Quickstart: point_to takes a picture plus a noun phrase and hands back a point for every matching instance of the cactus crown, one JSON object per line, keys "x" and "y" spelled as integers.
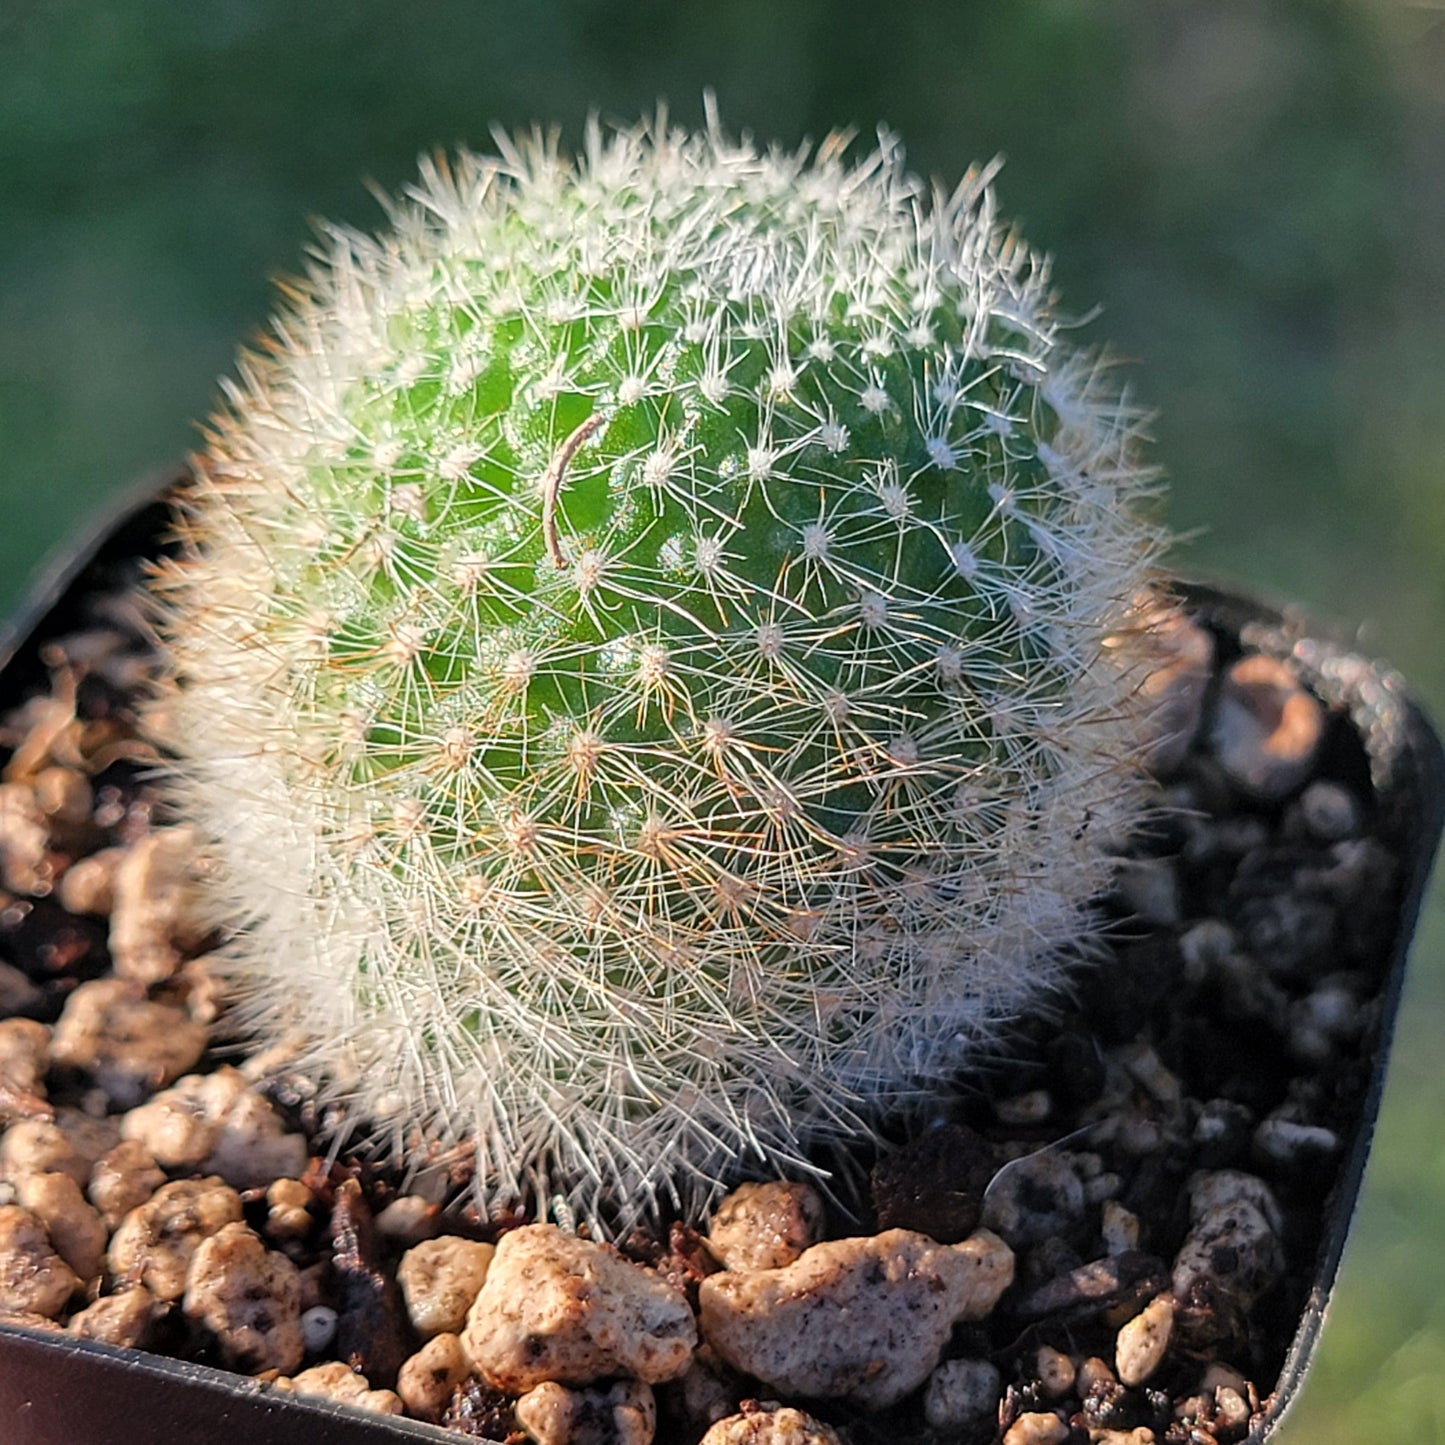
{"x": 642, "y": 655}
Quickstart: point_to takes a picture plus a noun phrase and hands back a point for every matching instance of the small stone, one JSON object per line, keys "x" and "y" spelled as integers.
{"x": 863, "y": 1319}
{"x": 1266, "y": 729}
{"x": 1291, "y": 1145}
{"x": 33, "y": 1277}
{"x": 1231, "y": 1409}
{"x": 556, "y": 1307}
{"x": 1094, "y": 1375}
{"x": 1221, "y": 1133}
{"x": 619, "y": 1414}
{"x": 24, "y": 1057}
{"x": 1093, "y": 1288}
{"x": 409, "y": 1219}
{"x": 1055, "y": 1371}
{"x": 765, "y": 1226}
{"x": 1141, "y": 1344}
{"x": 318, "y": 1324}
{"x": 123, "y": 1320}
{"x": 962, "y": 1394}
{"x": 1034, "y": 1427}
{"x": 1329, "y": 811}
{"x": 88, "y": 885}
{"x": 770, "y": 1424}
{"x": 340, "y": 1383}
{"x": 129, "y": 1044}
{"x": 1035, "y": 1106}
{"x": 289, "y": 1215}
{"x": 24, "y": 842}
{"x": 1120, "y": 1228}
{"x": 1102, "y": 1188}
{"x": 1229, "y": 1259}
{"x": 440, "y": 1279}
{"x": 40, "y": 1146}
{"x": 1034, "y": 1197}
{"x": 151, "y": 917}
{"x": 75, "y": 1229}
{"x": 121, "y": 1180}
{"x": 428, "y": 1379}
{"x": 1212, "y": 1189}
{"x": 249, "y": 1297}
{"x": 156, "y": 1241}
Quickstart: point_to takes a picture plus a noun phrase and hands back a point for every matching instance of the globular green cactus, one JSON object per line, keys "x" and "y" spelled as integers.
{"x": 646, "y": 656}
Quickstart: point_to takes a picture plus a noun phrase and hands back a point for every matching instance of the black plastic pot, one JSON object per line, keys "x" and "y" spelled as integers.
{"x": 59, "y": 1391}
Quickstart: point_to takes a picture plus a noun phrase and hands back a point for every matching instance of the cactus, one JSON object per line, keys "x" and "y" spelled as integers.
{"x": 644, "y": 657}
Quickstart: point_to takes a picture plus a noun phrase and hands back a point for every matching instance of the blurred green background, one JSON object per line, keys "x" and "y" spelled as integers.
{"x": 1254, "y": 193}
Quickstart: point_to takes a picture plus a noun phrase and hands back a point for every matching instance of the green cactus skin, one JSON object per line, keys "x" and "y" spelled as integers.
{"x": 643, "y": 657}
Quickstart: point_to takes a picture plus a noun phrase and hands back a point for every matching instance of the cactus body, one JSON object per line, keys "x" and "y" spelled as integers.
{"x": 642, "y": 656}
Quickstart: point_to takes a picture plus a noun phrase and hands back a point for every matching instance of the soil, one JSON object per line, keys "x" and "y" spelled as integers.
{"x": 1226, "y": 1035}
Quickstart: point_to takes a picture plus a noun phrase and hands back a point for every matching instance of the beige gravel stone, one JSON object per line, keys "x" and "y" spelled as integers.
{"x": 33, "y": 1277}
{"x": 409, "y": 1219}
{"x": 1036, "y": 1427}
{"x": 130, "y": 1045}
{"x": 555, "y": 1307}
{"x": 288, "y": 1203}
{"x": 439, "y": 1279}
{"x": 620, "y": 1414}
{"x": 88, "y": 885}
{"x": 24, "y": 841}
{"x": 765, "y": 1226}
{"x": 771, "y": 1424}
{"x": 64, "y": 797}
{"x": 428, "y": 1378}
{"x": 122, "y": 1179}
{"x": 1141, "y": 1343}
{"x": 40, "y": 1146}
{"x": 118, "y": 1319}
{"x": 863, "y": 1319}
{"x": 156, "y": 1241}
{"x": 218, "y": 1124}
{"x": 24, "y": 1057}
{"x": 152, "y": 918}
{"x": 338, "y": 1382}
{"x": 76, "y": 1230}
{"x": 249, "y": 1297}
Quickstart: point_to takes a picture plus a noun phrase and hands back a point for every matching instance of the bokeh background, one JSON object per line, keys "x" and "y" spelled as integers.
{"x": 1253, "y": 193}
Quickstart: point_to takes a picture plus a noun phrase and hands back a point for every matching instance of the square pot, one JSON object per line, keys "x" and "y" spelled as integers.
{"x": 54, "y": 1388}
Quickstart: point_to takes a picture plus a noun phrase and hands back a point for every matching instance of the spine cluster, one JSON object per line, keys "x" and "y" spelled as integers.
{"x": 644, "y": 656}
